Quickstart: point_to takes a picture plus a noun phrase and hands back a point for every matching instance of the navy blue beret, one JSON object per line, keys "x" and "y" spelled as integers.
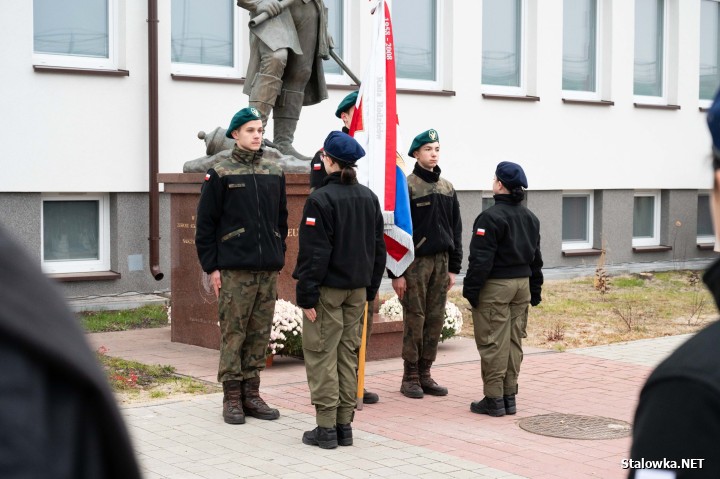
{"x": 346, "y": 103}
{"x": 343, "y": 147}
{"x": 429, "y": 136}
{"x": 511, "y": 175}
{"x": 243, "y": 116}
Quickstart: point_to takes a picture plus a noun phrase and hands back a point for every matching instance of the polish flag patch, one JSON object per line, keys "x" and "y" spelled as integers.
{"x": 207, "y": 176}
{"x": 316, "y": 166}
{"x": 480, "y": 232}
{"x": 310, "y": 221}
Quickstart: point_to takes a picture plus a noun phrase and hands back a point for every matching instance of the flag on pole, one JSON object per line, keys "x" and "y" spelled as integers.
{"x": 375, "y": 126}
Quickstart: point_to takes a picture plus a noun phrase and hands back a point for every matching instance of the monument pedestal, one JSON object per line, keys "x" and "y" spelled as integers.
{"x": 193, "y": 302}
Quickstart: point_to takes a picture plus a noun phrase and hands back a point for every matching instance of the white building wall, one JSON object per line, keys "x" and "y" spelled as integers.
{"x": 73, "y": 133}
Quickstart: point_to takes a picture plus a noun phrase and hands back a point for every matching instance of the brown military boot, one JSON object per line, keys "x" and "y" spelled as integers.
{"x": 410, "y": 386}
{"x": 253, "y": 404}
{"x": 427, "y": 383}
{"x": 232, "y": 407}
{"x": 285, "y": 118}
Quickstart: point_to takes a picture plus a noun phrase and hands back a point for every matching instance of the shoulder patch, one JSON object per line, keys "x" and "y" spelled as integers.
{"x": 480, "y": 232}
{"x": 310, "y": 221}
{"x": 207, "y": 176}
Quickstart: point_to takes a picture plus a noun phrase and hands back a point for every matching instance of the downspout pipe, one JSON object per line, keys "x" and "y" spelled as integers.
{"x": 154, "y": 193}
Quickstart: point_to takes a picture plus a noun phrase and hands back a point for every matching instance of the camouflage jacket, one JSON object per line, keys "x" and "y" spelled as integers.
{"x": 435, "y": 210}
{"x": 242, "y": 215}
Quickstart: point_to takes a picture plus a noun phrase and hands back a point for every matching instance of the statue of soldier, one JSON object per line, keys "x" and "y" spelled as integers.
{"x": 285, "y": 69}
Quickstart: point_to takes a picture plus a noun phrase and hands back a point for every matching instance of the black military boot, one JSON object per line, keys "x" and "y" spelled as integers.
{"x": 344, "y": 434}
{"x": 510, "y": 407}
{"x": 232, "y": 407}
{"x": 491, "y": 406}
{"x": 252, "y": 403}
{"x": 369, "y": 398}
{"x": 410, "y": 386}
{"x": 428, "y": 384}
{"x": 324, "y": 437}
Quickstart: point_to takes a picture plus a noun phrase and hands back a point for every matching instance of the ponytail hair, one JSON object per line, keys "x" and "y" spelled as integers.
{"x": 517, "y": 194}
{"x": 348, "y": 175}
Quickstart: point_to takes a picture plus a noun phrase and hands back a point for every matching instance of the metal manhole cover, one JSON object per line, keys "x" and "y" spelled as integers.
{"x": 571, "y": 426}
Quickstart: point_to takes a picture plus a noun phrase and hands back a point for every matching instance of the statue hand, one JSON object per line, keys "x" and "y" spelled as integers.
{"x": 271, "y": 7}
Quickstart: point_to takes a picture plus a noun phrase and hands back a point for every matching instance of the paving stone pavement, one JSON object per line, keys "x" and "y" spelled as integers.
{"x": 434, "y": 437}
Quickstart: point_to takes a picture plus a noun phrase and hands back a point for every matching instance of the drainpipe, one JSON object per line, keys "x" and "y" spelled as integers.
{"x": 154, "y": 194}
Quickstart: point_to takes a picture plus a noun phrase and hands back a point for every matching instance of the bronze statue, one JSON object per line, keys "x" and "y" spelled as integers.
{"x": 285, "y": 69}
{"x": 218, "y": 147}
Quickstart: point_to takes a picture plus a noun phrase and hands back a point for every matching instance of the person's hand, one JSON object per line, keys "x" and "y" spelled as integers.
{"x": 216, "y": 282}
{"x": 311, "y": 314}
{"x": 451, "y": 280}
{"x": 271, "y": 7}
{"x": 535, "y": 299}
{"x": 399, "y": 285}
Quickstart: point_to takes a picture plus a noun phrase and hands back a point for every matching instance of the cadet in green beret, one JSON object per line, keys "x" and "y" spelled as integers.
{"x": 423, "y": 287}
{"x": 240, "y": 236}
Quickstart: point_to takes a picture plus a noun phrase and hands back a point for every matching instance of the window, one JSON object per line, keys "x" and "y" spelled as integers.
{"x": 204, "y": 37}
{"x": 646, "y": 219}
{"x": 709, "y": 49}
{"x": 577, "y": 220}
{"x": 705, "y": 230}
{"x": 337, "y": 28}
{"x": 502, "y": 51}
{"x": 649, "y": 75}
{"x": 580, "y": 55}
{"x": 75, "y": 233}
{"x": 75, "y": 33}
{"x": 415, "y": 28}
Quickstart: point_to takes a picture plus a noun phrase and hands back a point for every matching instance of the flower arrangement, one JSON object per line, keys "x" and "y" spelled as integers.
{"x": 286, "y": 332}
{"x": 453, "y": 316}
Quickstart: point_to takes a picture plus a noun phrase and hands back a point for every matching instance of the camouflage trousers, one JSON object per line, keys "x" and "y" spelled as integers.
{"x": 500, "y": 323}
{"x": 330, "y": 346}
{"x": 424, "y": 306}
{"x": 245, "y": 306}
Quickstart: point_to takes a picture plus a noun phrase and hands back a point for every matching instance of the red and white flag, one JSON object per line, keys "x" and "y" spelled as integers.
{"x": 375, "y": 125}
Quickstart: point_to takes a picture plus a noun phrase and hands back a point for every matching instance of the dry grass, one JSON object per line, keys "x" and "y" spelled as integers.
{"x": 574, "y": 314}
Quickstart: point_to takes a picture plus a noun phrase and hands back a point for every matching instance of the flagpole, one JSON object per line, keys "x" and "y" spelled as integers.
{"x": 361, "y": 363}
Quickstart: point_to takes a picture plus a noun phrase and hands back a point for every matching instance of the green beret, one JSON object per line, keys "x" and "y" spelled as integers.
{"x": 346, "y": 103}
{"x": 243, "y": 116}
{"x": 430, "y": 136}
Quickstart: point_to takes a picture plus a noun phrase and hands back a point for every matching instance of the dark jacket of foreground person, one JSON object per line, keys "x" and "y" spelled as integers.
{"x": 58, "y": 417}
{"x": 678, "y": 415}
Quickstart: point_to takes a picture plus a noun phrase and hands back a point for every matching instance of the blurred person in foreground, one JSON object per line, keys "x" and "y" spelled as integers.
{"x": 58, "y": 417}
{"x": 678, "y": 414}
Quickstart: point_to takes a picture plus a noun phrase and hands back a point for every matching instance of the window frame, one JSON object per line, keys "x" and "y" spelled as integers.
{"x": 597, "y": 94}
{"x": 104, "y": 235}
{"x": 215, "y": 71}
{"x": 577, "y": 245}
{"x": 429, "y": 85}
{"x": 705, "y": 103}
{"x": 523, "y": 88}
{"x": 705, "y": 239}
{"x": 664, "y": 98}
{"x": 82, "y": 62}
{"x": 655, "y": 239}
{"x": 342, "y": 78}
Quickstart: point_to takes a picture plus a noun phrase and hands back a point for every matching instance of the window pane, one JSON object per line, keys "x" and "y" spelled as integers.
{"x": 575, "y": 218}
{"x": 487, "y": 203}
{"x": 709, "y": 49}
{"x": 71, "y": 230}
{"x": 202, "y": 32}
{"x": 71, "y": 27}
{"x": 336, "y": 14}
{"x": 644, "y": 217}
{"x": 501, "y": 36}
{"x": 415, "y": 29}
{"x": 649, "y": 32}
{"x": 704, "y": 221}
{"x": 579, "y": 50}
